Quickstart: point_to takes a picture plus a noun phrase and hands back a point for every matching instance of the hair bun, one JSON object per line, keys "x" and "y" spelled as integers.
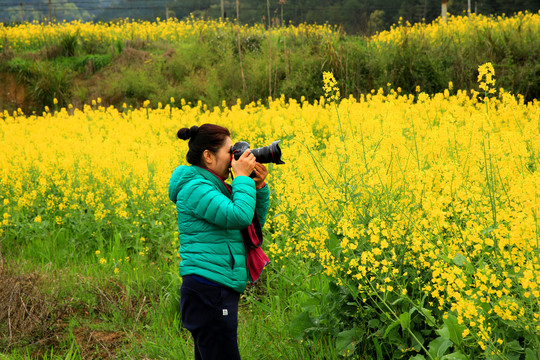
{"x": 187, "y": 133}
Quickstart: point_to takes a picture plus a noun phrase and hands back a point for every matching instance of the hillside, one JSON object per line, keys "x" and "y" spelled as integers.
{"x": 212, "y": 61}
{"x": 362, "y": 17}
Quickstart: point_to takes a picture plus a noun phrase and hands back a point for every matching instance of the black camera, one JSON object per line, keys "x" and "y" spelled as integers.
{"x": 263, "y": 155}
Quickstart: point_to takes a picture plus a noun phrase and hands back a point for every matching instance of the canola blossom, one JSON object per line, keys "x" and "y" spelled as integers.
{"x": 462, "y": 28}
{"x": 36, "y": 35}
{"x": 432, "y": 199}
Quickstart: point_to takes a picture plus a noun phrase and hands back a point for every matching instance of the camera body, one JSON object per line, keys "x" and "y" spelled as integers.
{"x": 263, "y": 155}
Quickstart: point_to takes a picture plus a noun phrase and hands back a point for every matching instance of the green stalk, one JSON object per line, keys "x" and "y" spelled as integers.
{"x": 396, "y": 317}
{"x": 415, "y": 145}
{"x": 364, "y": 149}
{"x": 536, "y": 230}
{"x": 346, "y": 155}
{"x": 316, "y": 162}
{"x": 490, "y": 182}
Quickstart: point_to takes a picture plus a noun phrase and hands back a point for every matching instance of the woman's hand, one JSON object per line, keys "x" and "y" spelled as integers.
{"x": 260, "y": 174}
{"x": 244, "y": 165}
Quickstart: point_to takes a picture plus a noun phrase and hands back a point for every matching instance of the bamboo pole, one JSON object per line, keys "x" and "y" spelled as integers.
{"x": 444, "y": 7}
{"x": 222, "y": 10}
{"x": 241, "y": 64}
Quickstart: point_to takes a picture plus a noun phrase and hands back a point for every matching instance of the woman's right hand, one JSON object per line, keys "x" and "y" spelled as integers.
{"x": 244, "y": 165}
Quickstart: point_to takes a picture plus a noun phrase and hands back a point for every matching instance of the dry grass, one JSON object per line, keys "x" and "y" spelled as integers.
{"x": 97, "y": 344}
{"x": 39, "y": 321}
{"x": 27, "y": 315}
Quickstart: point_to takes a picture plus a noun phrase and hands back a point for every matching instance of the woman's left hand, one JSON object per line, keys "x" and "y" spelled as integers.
{"x": 260, "y": 174}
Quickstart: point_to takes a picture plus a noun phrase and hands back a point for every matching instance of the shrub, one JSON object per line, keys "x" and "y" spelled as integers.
{"x": 69, "y": 44}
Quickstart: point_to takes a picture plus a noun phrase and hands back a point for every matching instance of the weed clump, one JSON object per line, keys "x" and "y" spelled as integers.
{"x": 27, "y": 315}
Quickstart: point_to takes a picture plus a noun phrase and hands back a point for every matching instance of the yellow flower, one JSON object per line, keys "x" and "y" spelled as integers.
{"x": 37, "y": 219}
{"x": 102, "y": 261}
{"x": 486, "y": 79}
{"x": 331, "y": 91}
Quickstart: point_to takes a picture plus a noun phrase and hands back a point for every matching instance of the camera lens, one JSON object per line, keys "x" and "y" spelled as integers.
{"x": 263, "y": 155}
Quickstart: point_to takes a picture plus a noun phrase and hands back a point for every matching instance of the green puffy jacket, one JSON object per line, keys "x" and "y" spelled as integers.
{"x": 209, "y": 222}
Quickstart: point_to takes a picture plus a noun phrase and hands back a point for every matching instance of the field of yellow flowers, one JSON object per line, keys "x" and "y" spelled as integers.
{"x": 419, "y": 211}
{"x": 35, "y": 35}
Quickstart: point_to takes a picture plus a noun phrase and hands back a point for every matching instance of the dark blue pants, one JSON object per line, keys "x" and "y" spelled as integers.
{"x": 210, "y": 313}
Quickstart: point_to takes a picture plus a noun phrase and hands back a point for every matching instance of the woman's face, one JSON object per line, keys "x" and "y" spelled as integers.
{"x": 220, "y": 162}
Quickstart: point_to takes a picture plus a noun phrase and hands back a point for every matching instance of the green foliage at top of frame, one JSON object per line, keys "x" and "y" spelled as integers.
{"x": 253, "y": 66}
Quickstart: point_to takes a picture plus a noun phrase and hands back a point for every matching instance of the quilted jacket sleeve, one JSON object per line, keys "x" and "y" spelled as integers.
{"x": 263, "y": 201}
{"x": 208, "y": 203}
{"x": 174, "y": 184}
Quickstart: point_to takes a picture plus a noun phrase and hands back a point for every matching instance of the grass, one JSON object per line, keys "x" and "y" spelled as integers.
{"x": 135, "y": 314}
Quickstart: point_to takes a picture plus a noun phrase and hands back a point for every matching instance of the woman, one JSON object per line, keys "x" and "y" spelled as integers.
{"x": 211, "y": 218}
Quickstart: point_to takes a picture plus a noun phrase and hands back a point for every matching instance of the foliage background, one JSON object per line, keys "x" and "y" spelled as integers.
{"x": 354, "y": 16}
{"x": 130, "y": 62}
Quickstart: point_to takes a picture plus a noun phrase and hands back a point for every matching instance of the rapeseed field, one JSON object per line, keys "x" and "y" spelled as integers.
{"x": 419, "y": 212}
{"x": 427, "y": 205}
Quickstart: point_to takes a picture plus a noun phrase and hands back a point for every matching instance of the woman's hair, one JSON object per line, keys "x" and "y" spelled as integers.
{"x": 206, "y": 137}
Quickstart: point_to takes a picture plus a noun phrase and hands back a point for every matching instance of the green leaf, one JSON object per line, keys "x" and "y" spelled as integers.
{"x": 300, "y": 324}
{"x": 347, "y": 340}
{"x": 515, "y": 346}
{"x": 487, "y": 231}
{"x": 427, "y": 314}
{"x": 418, "y": 357}
{"x": 391, "y": 327}
{"x": 439, "y": 346}
{"x": 455, "y": 356}
{"x": 459, "y": 260}
{"x": 378, "y": 348}
{"x": 374, "y": 324}
{"x": 451, "y": 330}
{"x": 405, "y": 320}
{"x": 531, "y": 354}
